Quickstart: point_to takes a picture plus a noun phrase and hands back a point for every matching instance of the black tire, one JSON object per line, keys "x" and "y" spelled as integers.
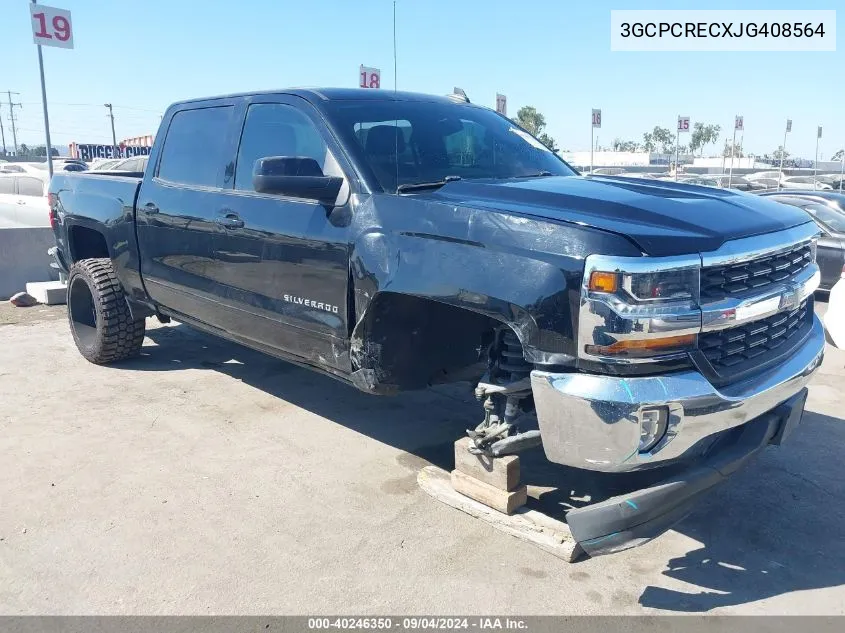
{"x": 102, "y": 326}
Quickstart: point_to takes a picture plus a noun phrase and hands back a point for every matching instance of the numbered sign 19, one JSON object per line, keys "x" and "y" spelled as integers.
{"x": 369, "y": 77}
{"x": 683, "y": 124}
{"x": 501, "y": 104}
{"x": 596, "y": 118}
{"x": 739, "y": 123}
{"x": 51, "y": 26}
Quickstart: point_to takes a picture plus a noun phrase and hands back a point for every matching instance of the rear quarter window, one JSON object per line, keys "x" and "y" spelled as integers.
{"x": 193, "y": 150}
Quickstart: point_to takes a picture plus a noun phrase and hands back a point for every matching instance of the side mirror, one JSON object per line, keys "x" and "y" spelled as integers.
{"x": 295, "y": 176}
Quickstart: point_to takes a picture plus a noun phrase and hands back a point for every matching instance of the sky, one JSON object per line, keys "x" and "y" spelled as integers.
{"x": 553, "y": 55}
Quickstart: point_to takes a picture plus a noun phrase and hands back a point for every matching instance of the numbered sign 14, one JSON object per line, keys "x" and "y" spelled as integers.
{"x": 683, "y": 124}
{"x": 739, "y": 123}
{"x": 596, "y": 118}
{"x": 369, "y": 77}
{"x": 51, "y": 26}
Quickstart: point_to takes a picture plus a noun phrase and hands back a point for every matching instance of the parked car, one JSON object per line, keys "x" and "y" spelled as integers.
{"x": 105, "y": 164}
{"x": 41, "y": 168}
{"x": 23, "y": 201}
{"x": 133, "y": 164}
{"x": 828, "y": 210}
{"x": 723, "y": 181}
{"x": 442, "y": 245}
{"x": 834, "y": 318}
{"x": 804, "y": 182}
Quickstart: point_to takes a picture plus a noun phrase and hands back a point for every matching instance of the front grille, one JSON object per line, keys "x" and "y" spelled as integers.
{"x": 719, "y": 282}
{"x": 756, "y": 343}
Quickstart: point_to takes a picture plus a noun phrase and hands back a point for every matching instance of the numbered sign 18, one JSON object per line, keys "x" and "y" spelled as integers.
{"x": 683, "y": 124}
{"x": 501, "y": 104}
{"x": 789, "y": 125}
{"x": 738, "y": 123}
{"x": 369, "y": 77}
{"x": 51, "y": 26}
{"x": 596, "y": 118}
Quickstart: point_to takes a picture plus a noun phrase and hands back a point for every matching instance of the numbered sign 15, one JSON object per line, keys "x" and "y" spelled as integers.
{"x": 739, "y": 123}
{"x": 596, "y": 118}
{"x": 369, "y": 77}
{"x": 51, "y": 26}
{"x": 683, "y": 124}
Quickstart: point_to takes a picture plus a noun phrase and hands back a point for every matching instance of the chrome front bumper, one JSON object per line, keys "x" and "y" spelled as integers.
{"x": 592, "y": 421}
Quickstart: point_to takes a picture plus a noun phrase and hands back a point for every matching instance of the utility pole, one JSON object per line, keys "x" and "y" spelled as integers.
{"x": 2, "y": 133}
{"x": 12, "y": 118}
{"x": 111, "y": 116}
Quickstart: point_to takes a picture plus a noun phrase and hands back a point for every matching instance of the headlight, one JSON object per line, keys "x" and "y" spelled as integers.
{"x": 639, "y": 309}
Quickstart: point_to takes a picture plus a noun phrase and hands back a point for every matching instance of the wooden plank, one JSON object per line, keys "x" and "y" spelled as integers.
{"x": 501, "y": 500}
{"x": 533, "y": 527}
{"x": 499, "y": 472}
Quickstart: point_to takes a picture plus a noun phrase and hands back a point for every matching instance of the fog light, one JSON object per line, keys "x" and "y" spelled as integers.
{"x": 653, "y": 423}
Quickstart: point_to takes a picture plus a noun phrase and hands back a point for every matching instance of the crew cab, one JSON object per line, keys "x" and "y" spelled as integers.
{"x": 396, "y": 240}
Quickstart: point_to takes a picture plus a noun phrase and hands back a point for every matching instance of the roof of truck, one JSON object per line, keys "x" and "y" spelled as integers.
{"x": 335, "y": 94}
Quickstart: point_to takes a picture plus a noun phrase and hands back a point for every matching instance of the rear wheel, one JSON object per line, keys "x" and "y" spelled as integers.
{"x": 102, "y": 326}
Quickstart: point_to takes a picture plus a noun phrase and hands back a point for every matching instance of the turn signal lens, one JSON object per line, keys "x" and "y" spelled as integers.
{"x": 604, "y": 282}
{"x": 643, "y": 347}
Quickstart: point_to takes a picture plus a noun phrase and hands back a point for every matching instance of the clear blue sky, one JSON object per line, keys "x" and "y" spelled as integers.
{"x": 554, "y": 55}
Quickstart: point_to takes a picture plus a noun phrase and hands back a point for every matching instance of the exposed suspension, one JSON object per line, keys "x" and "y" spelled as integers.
{"x": 506, "y": 384}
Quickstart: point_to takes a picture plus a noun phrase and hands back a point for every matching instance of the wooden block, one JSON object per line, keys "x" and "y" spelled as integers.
{"x": 499, "y": 472}
{"x": 548, "y": 534}
{"x": 498, "y": 499}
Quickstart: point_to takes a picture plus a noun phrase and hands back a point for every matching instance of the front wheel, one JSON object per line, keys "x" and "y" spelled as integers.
{"x": 102, "y": 326}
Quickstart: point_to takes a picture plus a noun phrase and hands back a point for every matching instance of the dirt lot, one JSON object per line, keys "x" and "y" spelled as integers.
{"x": 207, "y": 478}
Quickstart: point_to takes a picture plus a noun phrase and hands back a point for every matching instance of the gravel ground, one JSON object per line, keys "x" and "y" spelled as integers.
{"x": 206, "y": 478}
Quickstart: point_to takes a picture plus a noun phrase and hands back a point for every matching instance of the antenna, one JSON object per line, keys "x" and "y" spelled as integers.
{"x": 396, "y": 131}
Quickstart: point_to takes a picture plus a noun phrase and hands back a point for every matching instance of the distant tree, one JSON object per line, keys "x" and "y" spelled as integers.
{"x": 23, "y": 150}
{"x": 737, "y": 152}
{"x": 703, "y": 135}
{"x": 529, "y": 118}
{"x": 838, "y": 155}
{"x": 664, "y": 138}
{"x": 41, "y": 150}
{"x": 619, "y": 145}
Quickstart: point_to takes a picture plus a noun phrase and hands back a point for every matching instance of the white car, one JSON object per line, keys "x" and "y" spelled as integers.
{"x": 23, "y": 200}
{"x": 804, "y": 182}
{"x": 834, "y": 318}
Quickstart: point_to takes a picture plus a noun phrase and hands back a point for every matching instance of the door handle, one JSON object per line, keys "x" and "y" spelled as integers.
{"x": 150, "y": 208}
{"x": 229, "y": 221}
{"x": 21, "y": 202}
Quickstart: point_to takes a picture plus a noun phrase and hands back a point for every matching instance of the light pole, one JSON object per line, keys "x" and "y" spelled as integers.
{"x": 783, "y": 150}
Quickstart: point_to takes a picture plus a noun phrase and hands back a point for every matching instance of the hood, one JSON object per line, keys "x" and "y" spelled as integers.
{"x": 661, "y": 217}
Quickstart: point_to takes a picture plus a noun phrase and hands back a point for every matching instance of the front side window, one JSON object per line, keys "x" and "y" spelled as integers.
{"x": 410, "y": 142}
{"x": 827, "y": 217}
{"x": 275, "y": 129}
{"x": 30, "y": 186}
{"x": 194, "y": 148}
{"x": 7, "y": 185}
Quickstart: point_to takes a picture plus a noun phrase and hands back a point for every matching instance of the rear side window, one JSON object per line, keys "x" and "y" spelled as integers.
{"x": 194, "y": 148}
{"x": 30, "y": 186}
{"x": 7, "y": 185}
{"x": 274, "y": 129}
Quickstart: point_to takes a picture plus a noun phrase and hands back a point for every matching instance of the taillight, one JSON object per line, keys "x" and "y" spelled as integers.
{"x": 53, "y": 202}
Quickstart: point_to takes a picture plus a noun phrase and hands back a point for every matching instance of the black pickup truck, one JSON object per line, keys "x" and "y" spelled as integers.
{"x": 396, "y": 240}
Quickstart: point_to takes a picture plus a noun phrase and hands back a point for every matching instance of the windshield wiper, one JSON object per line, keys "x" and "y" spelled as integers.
{"x": 539, "y": 174}
{"x": 422, "y": 186}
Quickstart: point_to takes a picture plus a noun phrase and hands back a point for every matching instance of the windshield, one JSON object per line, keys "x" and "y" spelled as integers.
{"x": 411, "y": 142}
